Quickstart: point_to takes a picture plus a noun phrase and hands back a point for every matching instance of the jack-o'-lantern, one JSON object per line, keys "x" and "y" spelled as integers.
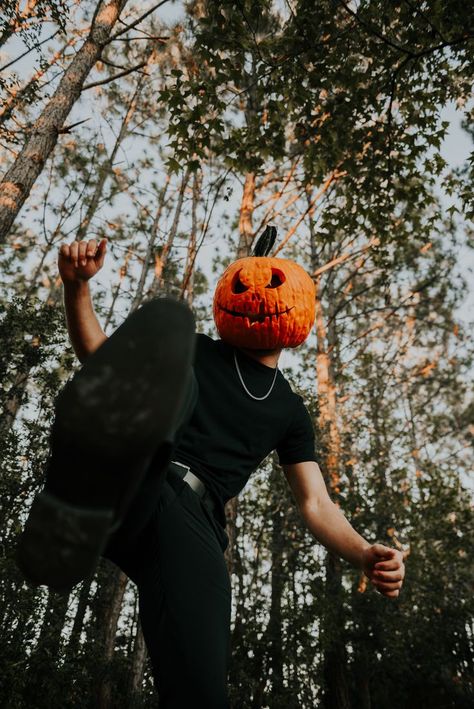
{"x": 264, "y": 302}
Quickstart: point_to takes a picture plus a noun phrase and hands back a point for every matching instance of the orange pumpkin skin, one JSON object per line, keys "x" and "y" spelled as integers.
{"x": 264, "y": 302}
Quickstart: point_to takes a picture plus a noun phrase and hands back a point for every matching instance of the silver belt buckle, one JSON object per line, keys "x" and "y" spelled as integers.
{"x": 193, "y": 481}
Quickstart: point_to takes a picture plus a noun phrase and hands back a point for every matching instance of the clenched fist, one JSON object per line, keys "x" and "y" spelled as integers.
{"x": 385, "y": 568}
{"x": 81, "y": 260}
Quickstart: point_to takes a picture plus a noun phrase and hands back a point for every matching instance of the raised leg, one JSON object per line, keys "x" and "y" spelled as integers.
{"x": 146, "y": 498}
{"x": 118, "y": 412}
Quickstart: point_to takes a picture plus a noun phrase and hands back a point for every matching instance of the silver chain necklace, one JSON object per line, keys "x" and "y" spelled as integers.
{"x": 257, "y": 398}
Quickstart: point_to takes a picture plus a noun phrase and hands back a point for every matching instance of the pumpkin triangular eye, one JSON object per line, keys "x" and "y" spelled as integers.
{"x": 278, "y": 277}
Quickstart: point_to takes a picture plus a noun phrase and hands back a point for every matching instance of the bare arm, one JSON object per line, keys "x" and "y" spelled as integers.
{"x": 383, "y": 565}
{"x": 77, "y": 263}
{"x": 84, "y": 329}
{"x": 323, "y": 518}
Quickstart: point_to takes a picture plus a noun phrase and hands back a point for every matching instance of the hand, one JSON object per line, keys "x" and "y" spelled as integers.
{"x": 385, "y": 568}
{"x": 81, "y": 260}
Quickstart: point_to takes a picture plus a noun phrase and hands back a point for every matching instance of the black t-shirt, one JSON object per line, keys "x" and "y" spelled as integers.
{"x": 229, "y": 433}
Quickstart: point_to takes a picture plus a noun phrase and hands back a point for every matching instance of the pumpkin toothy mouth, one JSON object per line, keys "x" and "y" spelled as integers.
{"x": 256, "y": 317}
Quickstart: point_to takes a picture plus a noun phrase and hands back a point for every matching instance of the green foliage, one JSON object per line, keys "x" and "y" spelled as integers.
{"x": 26, "y": 22}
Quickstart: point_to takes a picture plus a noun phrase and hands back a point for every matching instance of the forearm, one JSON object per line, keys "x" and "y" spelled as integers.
{"x": 84, "y": 329}
{"x": 330, "y": 527}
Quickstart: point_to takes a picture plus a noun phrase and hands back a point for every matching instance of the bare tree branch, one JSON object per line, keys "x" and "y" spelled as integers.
{"x": 137, "y": 22}
{"x": 115, "y": 76}
{"x": 35, "y": 46}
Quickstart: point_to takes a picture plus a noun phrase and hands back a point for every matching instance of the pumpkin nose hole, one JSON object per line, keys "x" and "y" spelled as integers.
{"x": 237, "y": 285}
{"x": 278, "y": 277}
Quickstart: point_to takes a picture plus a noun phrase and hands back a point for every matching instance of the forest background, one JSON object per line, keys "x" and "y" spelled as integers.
{"x": 177, "y": 131}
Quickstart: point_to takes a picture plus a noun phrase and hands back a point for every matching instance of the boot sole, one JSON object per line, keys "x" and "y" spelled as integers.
{"x": 122, "y": 405}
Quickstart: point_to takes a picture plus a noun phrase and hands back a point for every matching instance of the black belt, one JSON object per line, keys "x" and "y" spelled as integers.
{"x": 186, "y": 474}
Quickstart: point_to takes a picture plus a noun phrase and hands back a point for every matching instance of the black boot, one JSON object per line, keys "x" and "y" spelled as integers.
{"x": 113, "y": 416}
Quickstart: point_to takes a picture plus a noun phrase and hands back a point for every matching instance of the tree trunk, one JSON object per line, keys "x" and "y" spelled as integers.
{"x": 20, "y": 178}
{"x": 21, "y": 379}
{"x": 108, "y": 605}
{"x": 335, "y": 661}
{"x": 327, "y": 399}
{"x": 362, "y": 676}
{"x": 188, "y": 281}
{"x": 122, "y": 273}
{"x": 246, "y": 215}
{"x": 231, "y": 527}
{"x": 137, "y": 670}
{"x": 336, "y": 686}
{"x": 336, "y": 694}
{"x": 45, "y": 656}
{"x": 53, "y": 622}
{"x": 162, "y": 260}
{"x": 138, "y": 297}
{"x": 83, "y": 602}
{"x": 275, "y": 634}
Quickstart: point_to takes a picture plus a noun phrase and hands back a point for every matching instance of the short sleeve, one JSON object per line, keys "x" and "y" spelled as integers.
{"x": 297, "y": 446}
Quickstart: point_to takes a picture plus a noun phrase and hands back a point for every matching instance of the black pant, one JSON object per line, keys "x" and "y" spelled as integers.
{"x": 172, "y": 547}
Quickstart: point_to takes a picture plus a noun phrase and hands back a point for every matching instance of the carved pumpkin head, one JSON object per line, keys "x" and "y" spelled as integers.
{"x": 264, "y": 302}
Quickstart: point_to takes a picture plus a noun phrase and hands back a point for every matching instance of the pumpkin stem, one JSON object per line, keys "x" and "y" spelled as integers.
{"x": 265, "y": 242}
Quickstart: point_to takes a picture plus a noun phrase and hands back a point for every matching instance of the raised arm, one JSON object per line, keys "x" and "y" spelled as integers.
{"x": 77, "y": 263}
{"x": 382, "y": 565}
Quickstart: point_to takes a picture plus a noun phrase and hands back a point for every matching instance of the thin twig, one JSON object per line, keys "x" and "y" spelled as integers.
{"x": 115, "y": 76}
{"x": 35, "y": 46}
{"x": 163, "y": 40}
{"x": 68, "y": 129}
{"x": 137, "y": 22}
{"x": 345, "y": 257}
{"x": 334, "y": 176}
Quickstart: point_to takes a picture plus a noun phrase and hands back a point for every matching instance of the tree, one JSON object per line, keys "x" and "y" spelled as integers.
{"x": 20, "y": 178}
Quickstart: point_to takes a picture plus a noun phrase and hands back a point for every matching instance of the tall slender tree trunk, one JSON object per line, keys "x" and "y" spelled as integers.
{"x": 108, "y": 606}
{"x": 82, "y": 604}
{"x": 327, "y": 398}
{"x": 22, "y": 175}
{"x": 45, "y": 656}
{"x": 122, "y": 273}
{"x": 138, "y": 297}
{"x": 246, "y": 216}
{"x": 53, "y": 621}
{"x": 188, "y": 281}
{"x": 362, "y": 674}
{"x": 275, "y": 630}
{"x": 137, "y": 670}
{"x": 162, "y": 260}
{"x": 336, "y": 694}
{"x": 335, "y": 660}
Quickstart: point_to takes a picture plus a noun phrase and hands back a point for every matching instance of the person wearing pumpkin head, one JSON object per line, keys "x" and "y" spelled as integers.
{"x": 156, "y": 432}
